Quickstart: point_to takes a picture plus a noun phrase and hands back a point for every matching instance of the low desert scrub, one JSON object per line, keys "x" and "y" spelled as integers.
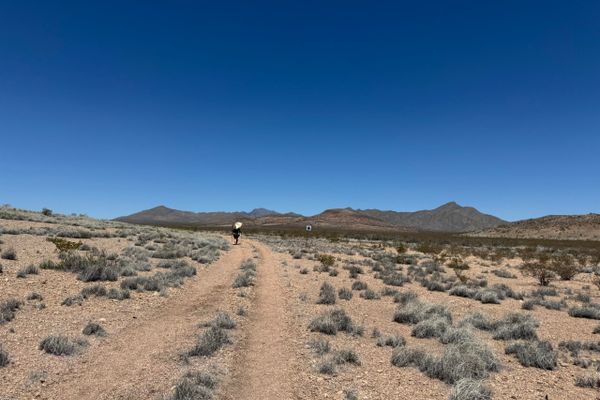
{"x": 395, "y": 279}
{"x": 456, "y": 335}
{"x": 247, "y": 276}
{"x": 94, "y": 290}
{"x": 502, "y": 273}
{"x": 95, "y": 329}
{"x": 4, "y": 357}
{"x": 64, "y": 244}
{"x": 160, "y": 280}
{"x": 118, "y": 294}
{"x": 333, "y": 321}
{"x": 345, "y": 294}
{"x": 403, "y": 298}
{"x": 8, "y": 309}
{"x": 588, "y": 381}
{"x": 326, "y": 294}
{"x": 548, "y": 304}
{"x": 534, "y": 354}
{"x": 76, "y": 300}
{"x": 392, "y": 341}
{"x": 34, "y": 296}
{"x": 408, "y": 357}
{"x": 539, "y": 270}
{"x": 350, "y": 395}
{"x": 346, "y": 356}
{"x": 370, "y": 294}
{"x": 223, "y": 321}
{"x": 589, "y": 311}
{"x": 62, "y": 345}
{"x": 458, "y": 264}
{"x": 327, "y": 366}
{"x": 575, "y": 347}
{"x": 359, "y": 285}
{"x": 470, "y": 389}
{"x": 326, "y": 260}
{"x": 512, "y": 326}
{"x": 9, "y": 254}
{"x": 209, "y": 342}
{"x": 320, "y": 346}
{"x": 430, "y": 328}
{"x": 195, "y": 386}
{"x": 415, "y": 311}
{"x": 28, "y": 270}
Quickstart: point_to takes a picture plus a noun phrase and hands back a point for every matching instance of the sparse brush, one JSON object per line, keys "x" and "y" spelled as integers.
{"x": 392, "y": 341}
{"x": 350, "y": 395}
{"x": 28, "y": 270}
{"x": 8, "y": 308}
{"x": 95, "y": 290}
{"x": 590, "y": 311}
{"x": 195, "y": 386}
{"x": 95, "y": 329}
{"x": 416, "y": 311}
{"x": 345, "y": 294}
{"x": 430, "y": 328}
{"x": 320, "y": 346}
{"x": 118, "y": 294}
{"x": 346, "y": 356}
{"x": 405, "y": 297}
{"x": 369, "y": 294}
{"x": 515, "y": 326}
{"x": 408, "y": 357}
{"x": 588, "y": 381}
{"x": 62, "y": 345}
{"x": 224, "y": 320}
{"x": 332, "y": 322}
{"x": 534, "y": 354}
{"x": 35, "y": 296}
{"x": 327, "y": 366}
{"x": 470, "y": 389}
{"x": 359, "y": 285}
{"x": 9, "y": 254}
{"x": 326, "y": 294}
{"x": 210, "y": 342}
{"x": 76, "y": 300}
{"x": 4, "y": 357}
{"x": 502, "y": 273}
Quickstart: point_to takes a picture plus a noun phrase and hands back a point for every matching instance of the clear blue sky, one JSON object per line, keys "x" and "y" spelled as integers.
{"x": 110, "y": 107}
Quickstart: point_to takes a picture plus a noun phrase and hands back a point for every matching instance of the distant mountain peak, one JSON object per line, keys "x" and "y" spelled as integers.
{"x": 262, "y": 212}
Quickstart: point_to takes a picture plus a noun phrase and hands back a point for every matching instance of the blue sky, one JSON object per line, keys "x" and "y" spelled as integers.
{"x": 107, "y": 108}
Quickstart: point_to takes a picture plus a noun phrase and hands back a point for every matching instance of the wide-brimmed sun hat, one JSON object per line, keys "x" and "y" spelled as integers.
{"x": 237, "y": 225}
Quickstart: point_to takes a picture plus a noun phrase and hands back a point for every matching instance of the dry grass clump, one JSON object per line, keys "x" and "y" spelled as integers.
{"x": 359, "y": 285}
{"x": 513, "y": 326}
{"x": 503, "y": 273}
{"x": 62, "y": 345}
{"x": 589, "y": 311}
{"x": 95, "y": 329}
{"x": 326, "y": 294}
{"x": 588, "y": 381}
{"x": 211, "y": 340}
{"x": 345, "y": 294}
{"x": 392, "y": 341}
{"x": 223, "y": 321}
{"x": 247, "y": 276}
{"x": 470, "y": 389}
{"x": 8, "y": 308}
{"x": 76, "y": 300}
{"x": 333, "y": 321}
{"x": 28, "y": 270}
{"x": 195, "y": 386}
{"x": 534, "y": 354}
{"x": 34, "y": 296}
{"x": 370, "y": 294}
{"x": 4, "y": 357}
{"x": 320, "y": 346}
{"x": 415, "y": 311}
{"x": 9, "y": 254}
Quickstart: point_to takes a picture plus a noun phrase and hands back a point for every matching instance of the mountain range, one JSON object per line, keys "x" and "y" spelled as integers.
{"x": 450, "y": 217}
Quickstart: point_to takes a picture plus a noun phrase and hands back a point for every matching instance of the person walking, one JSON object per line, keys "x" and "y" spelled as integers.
{"x": 237, "y": 231}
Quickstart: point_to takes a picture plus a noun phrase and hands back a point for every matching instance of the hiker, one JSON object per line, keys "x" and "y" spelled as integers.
{"x": 237, "y": 231}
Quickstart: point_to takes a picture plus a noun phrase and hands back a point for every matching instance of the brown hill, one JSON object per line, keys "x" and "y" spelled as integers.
{"x": 562, "y": 227}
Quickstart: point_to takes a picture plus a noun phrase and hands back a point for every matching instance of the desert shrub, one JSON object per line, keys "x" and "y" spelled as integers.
{"x": 345, "y": 294}
{"x": 346, "y": 356}
{"x": 170, "y": 251}
{"x": 590, "y": 311}
{"x": 487, "y": 296}
{"x": 95, "y": 329}
{"x": 47, "y": 212}
{"x": 515, "y": 326}
{"x": 544, "y": 291}
{"x": 470, "y": 389}
{"x": 195, "y": 386}
{"x": 574, "y": 347}
{"x": 224, "y": 321}
{"x": 386, "y": 291}
{"x": 94, "y": 290}
{"x": 35, "y": 296}
{"x": 583, "y": 298}
{"x": 247, "y": 276}
{"x": 209, "y": 342}
{"x": 9, "y": 254}
{"x": 479, "y": 321}
{"x": 408, "y": 357}
{"x": 416, "y": 311}
{"x": 395, "y": 279}
{"x": 8, "y": 308}
{"x": 76, "y": 300}
{"x": 304, "y": 271}
{"x": 539, "y": 270}
{"x": 118, "y": 294}
{"x": 320, "y": 346}
{"x": 28, "y": 270}
{"x": 369, "y": 294}
{"x": 564, "y": 266}
{"x": 326, "y": 294}
{"x": 392, "y": 341}
{"x": 332, "y": 322}
{"x": 502, "y": 273}
{"x": 456, "y": 335}
{"x": 430, "y": 328}
{"x": 327, "y": 366}
{"x": 359, "y": 285}
{"x": 62, "y": 345}
{"x": 4, "y": 357}
{"x": 333, "y": 272}
{"x": 458, "y": 264}
{"x": 326, "y": 260}
{"x": 405, "y": 297}
{"x": 354, "y": 271}
{"x": 64, "y": 244}
{"x": 350, "y": 395}
{"x": 435, "y": 285}
{"x": 469, "y": 359}
{"x": 588, "y": 381}
{"x": 462, "y": 291}
{"x": 534, "y": 354}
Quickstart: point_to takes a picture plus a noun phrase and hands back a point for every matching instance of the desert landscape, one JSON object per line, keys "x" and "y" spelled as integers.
{"x": 111, "y": 310}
